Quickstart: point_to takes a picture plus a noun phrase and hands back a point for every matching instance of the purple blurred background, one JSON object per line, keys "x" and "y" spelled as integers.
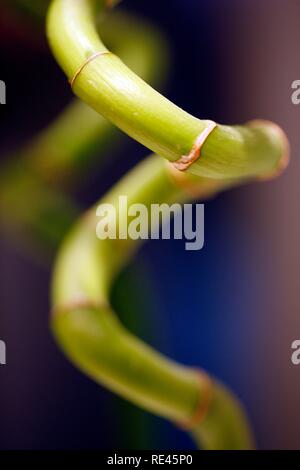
{"x": 237, "y": 316}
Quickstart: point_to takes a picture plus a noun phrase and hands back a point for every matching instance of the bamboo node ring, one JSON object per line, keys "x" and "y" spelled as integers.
{"x": 203, "y": 405}
{"x": 85, "y": 63}
{"x": 186, "y": 160}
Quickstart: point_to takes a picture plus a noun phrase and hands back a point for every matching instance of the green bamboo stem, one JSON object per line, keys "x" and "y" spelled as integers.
{"x": 68, "y": 148}
{"x": 32, "y": 214}
{"x": 58, "y": 157}
{"x": 112, "y": 89}
{"x": 93, "y": 338}
{"x": 73, "y": 142}
{"x": 83, "y": 321}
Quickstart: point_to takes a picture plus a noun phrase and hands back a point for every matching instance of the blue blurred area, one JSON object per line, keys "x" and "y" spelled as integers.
{"x": 208, "y": 304}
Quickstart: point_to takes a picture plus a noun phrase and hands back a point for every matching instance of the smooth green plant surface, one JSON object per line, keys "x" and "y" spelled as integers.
{"x": 83, "y": 320}
{"x": 60, "y": 157}
{"x": 94, "y": 339}
{"x": 111, "y": 88}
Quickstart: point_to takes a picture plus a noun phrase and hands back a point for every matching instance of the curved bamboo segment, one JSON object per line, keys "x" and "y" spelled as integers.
{"x": 112, "y": 89}
{"x": 93, "y": 338}
{"x": 58, "y": 158}
{"x": 65, "y": 149}
{"x": 83, "y": 320}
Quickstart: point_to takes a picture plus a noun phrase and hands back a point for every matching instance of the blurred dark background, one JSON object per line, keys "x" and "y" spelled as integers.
{"x": 238, "y": 313}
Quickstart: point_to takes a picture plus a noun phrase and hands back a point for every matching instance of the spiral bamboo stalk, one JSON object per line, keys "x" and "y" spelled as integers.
{"x": 83, "y": 321}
